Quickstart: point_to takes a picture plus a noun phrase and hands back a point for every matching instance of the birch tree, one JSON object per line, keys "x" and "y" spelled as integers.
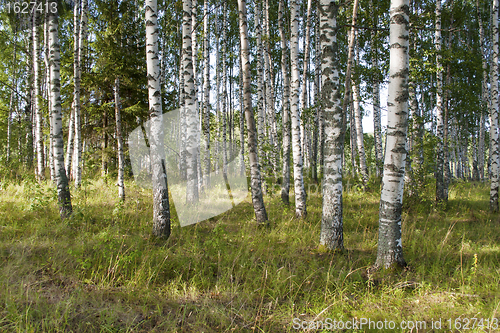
{"x": 285, "y": 184}
{"x": 256, "y": 184}
{"x": 161, "y": 207}
{"x": 441, "y": 192}
{"x": 189, "y": 106}
{"x": 82, "y": 33}
{"x": 390, "y": 248}
{"x": 206, "y": 94}
{"x": 494, "y": 113}
{"x": 36, "y": 105}
{"x": 63, "y": 193}
{"x": 377, "y": 127}
{"x": 119, "y": 139}
{"x": 300, "y": 193}
{"x": 331, "y": 221}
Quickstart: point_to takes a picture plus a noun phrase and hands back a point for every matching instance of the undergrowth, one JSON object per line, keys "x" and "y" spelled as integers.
{"x": 101, "y": 271}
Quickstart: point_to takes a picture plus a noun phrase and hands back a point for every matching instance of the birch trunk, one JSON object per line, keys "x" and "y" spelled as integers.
{"x": 494, "y": 113}
{"x": 224, "y": 93}
{"x": 36, "y": 105}
{"x": 390, "y": 248}
{"x": 318, "y": 123}
{"x": 300, "y": 193}
{"x": 268, "y": 64}
{"x": 440, "y": 181}
{"x": 77, "y": 163}
{"x": 285, "y": 184}
{"x": 377, "y": 126}
{"x": 485, "y": 95}
{"x": 332, "y": 235}
{"x": 260, "y": 87}
{"x": 206, "y": 95}
{"x": 359, "y": 124}
{"x": 63, "y": 194}
{"x": 256, "y": 186}
{"x": 69, "y": 147}
{"x": 190, "y": 107}
{"x": 161, "y": 207}
{"x": 119, "y": 138}
{"x": 303, "y": 91}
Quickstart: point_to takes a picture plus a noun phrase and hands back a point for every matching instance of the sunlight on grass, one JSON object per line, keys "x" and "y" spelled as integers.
{"x": 100, "y": 270}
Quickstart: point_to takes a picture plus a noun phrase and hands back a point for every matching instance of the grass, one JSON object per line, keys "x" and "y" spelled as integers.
{"x": 100, "y": 271}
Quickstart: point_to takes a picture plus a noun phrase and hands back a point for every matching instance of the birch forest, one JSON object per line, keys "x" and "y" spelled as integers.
{"x": 249, "y": 165}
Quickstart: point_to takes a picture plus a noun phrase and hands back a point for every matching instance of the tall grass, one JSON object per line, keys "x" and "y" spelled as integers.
{"x": 101, "y": 271}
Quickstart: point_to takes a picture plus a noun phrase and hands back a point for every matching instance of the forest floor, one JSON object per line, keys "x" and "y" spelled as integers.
{"x": 101, "y": 271}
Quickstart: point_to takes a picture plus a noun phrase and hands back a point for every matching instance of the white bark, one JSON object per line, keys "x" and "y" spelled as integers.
{"x": 206, "y": 95}
{"x": 285, "y": 187}
{"x": 441, "y": 193}
{"x": 300, "y": 193}
{"x": 331, "y": 221}
{"x": 494, "y": 113}
{"x": 390, "y": 248}
{"x": 63, "y": 194}
{"x": 190, "y": 106}
{"x": 119, "y": 138}
{"x": 37, "y": 111}
{"x": 256, "y": 184}
{"x": 161, "y": 207}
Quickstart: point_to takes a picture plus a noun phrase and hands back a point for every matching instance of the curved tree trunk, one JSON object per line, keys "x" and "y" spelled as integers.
{"x": 256, "y": 185}
{"x": 390, "y": 248}
{"x": 63, "y": 194}
{"x": 161, "y": 207}
{"x": 300, "y": 193}
{"x": 332, "y": 236}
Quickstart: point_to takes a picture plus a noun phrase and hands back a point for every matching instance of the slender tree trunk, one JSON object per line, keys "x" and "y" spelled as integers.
{"x": 268, "y": 64}
{"x": 63, "y": 193}
{"x": 37, "y": 111}
{"x": 377, "y": 126}
{"x": 359, "y": 125}
{"x": 260, "y": 89}
{"x": 190, "y": 107}
{"x": 47, "y": 77}
{"x": 350, "y": 55}
{"x": 332, "y": 235}
{"x": 256, "y": 186}
{"x": 242, "y": 121}
{"x": 303, "y": 91}
{"x": 161, "y": 207}
{"x": 494, "y": 113}
{"x": 318, "y": 125}
{"x": 485, "y": 95}
{"x": 224, "y": 93}
{"x": 440, "y": 181}
{"x": 300, "y": 193}
{"x": 82, "y": 35}
{"x": 206, "y": 95}
{"x": 69, "y": 147}
{"x": 285, "y": 185}
{"x": 390, "y": 248}
{"x": 104, "y": 145}
{"x": 119, "y": 138}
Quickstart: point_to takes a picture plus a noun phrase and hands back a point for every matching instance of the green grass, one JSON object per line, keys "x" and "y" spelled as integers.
{"x": 100, "y": 271}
